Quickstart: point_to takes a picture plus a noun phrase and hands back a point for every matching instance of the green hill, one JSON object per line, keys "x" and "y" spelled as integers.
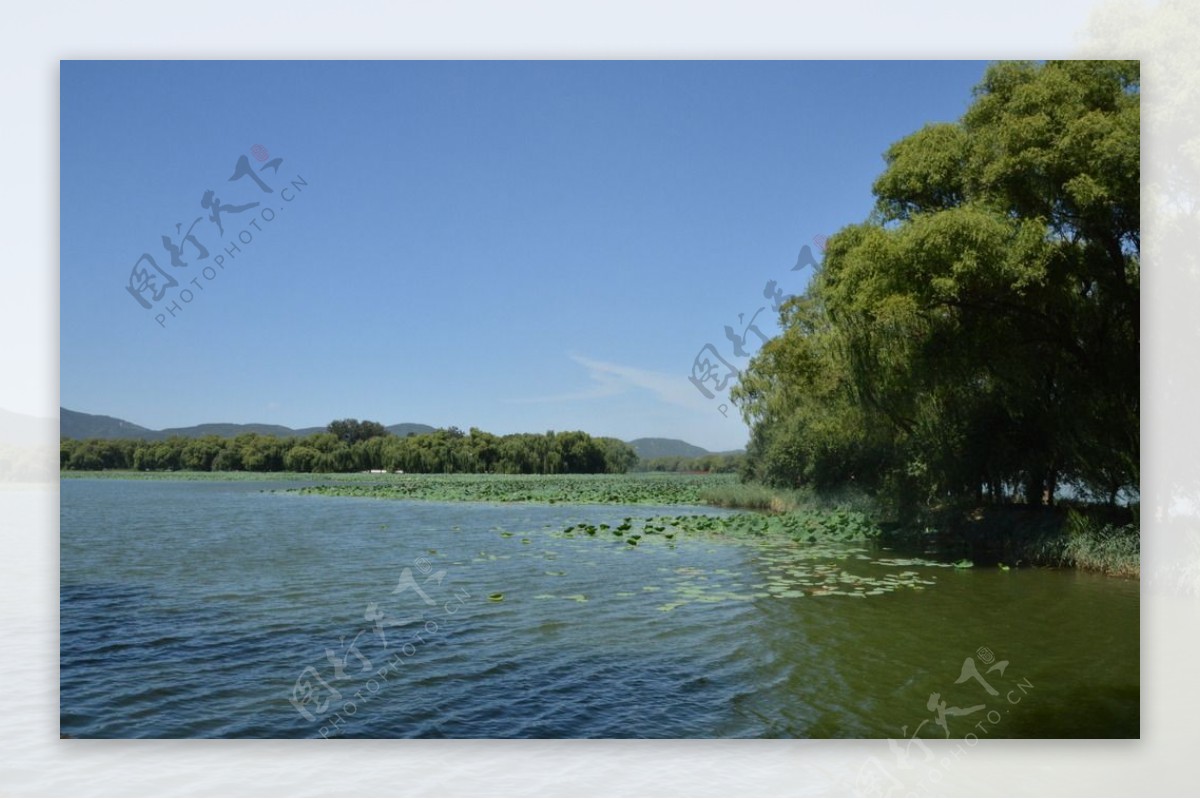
{"x": 226, "y": 430}
{"x": 409, "y": 428}
{"x": 73, "y": 424}
{"x": 648, "y": 448}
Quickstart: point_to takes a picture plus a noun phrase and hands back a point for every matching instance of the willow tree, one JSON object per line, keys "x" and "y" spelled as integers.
{"x": 977, "y": 336}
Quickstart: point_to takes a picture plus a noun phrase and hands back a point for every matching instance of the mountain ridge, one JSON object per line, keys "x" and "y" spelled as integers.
{"x": 650, "y": 448}
{"x": 79, "y": 425}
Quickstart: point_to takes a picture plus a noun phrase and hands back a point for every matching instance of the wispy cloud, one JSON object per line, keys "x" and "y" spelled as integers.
{"x": 613, "y": 379}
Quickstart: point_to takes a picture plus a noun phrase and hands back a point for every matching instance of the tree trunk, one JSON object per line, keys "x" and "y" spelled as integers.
{"x": 1035, "y": 488}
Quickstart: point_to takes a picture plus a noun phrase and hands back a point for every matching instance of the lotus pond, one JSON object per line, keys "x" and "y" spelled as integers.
{"x": 632, "y": 489}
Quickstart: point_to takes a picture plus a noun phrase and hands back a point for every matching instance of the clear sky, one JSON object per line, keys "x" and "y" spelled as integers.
{"x": 515, "y": 246}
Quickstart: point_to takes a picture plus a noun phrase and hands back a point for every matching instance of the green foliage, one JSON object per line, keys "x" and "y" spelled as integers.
{"x": 95, "y": 454}
{"x": 352, "y": 431}
{"x": 198, "y": 454}
{"x": 977, "y": 338}
{"x": 343, "y": 448}
{"x": 619, "y": 457}
{"x": 717, "y": 463}
{"x": 302, "y": 458}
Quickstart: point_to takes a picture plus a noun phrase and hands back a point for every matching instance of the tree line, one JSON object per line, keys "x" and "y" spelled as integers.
{"x": 348, "y": 445}
{"x": 712, "y": 462}
{"x": 976, "y": 339}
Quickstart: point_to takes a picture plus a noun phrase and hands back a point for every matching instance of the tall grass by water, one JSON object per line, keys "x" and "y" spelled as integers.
{"x": 756, "y": 496}
{"x": 1095, "y": 545}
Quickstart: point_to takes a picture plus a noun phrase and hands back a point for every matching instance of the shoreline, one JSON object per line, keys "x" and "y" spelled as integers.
{"x": 997, "y": 536}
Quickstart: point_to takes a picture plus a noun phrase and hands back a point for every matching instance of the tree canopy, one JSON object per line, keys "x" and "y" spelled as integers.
{"x": 977, "y": 336}
{"x": 352, "y": 431}
{"x": 343, "y": 448}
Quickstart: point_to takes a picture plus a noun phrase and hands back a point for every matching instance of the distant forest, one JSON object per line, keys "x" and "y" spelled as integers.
{"x": 726, "y": 462}
{"x": 350, "y": 445}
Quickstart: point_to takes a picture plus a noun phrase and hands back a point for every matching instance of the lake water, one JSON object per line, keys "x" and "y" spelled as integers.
{"x": 220, "y": 609}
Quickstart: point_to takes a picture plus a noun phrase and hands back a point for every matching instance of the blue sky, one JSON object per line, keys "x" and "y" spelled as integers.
{"x": 516, "y": 246}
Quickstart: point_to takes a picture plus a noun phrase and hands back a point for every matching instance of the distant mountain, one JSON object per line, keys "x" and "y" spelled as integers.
{"x": 228, "y": 430}
{"x": 408, "y": 429}
{"x": 648, "y": 448}
{"x": 73, "y": 424}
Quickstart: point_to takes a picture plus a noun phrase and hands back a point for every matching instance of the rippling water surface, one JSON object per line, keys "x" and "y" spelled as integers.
{"x": 198, "y": 609}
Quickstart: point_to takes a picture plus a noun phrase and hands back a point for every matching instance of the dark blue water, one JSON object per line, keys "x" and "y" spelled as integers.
{"x": 200, "y": 609}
